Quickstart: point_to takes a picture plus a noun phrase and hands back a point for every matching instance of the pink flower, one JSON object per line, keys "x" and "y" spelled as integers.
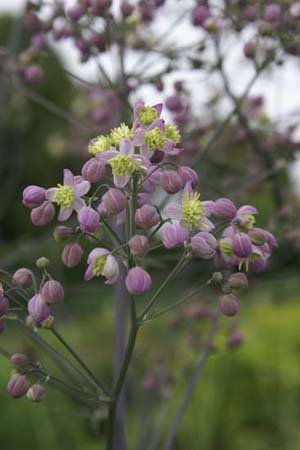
{"x": 69, "y": 195}
{"x": 102, "y": 262}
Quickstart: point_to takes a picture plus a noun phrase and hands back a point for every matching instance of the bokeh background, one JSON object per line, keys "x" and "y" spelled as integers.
{"x": 248, "y": 397}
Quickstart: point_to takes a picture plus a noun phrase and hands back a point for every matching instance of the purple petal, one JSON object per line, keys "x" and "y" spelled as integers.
{"x": 64, "y": 214}
{"x": 50, "y": 193}
{"x": 82, "y": 188}
{"x": 126, "y": 147}
{"x": 120, "y": 181}
{"x": 95, "y": 253}
{"x": 89, "y": 273}
{"x": 246, "y": 209}
{"x": 158, "y": 107}
{"x": 78, "y": 204}
{"x": 174, "y": 211}
{"x": 68, "y": 177}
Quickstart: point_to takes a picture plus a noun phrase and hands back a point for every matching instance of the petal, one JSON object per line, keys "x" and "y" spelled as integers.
{"x": 78, "y": 204}
{"x": 160, "y": 123}
{"x": 207, "y": 225}
{"x": 50, "y": 193}
{"x": 138, "y": 136}
{"x": 89, "y": 273}
{"x": 170, "y": 147}
{"x": 68, "y": 177}
{"x": 126, "y": 147}
{"x": 158, "y": 107}
{"x": 209, "y": 207}
{"x": 121, "y": 217}
{"x": 138, "y": 106}
{"x": 246, "y": 209}
{"x": 107, "y": 155}
{"x": 64, "y": 214}
{"x": 82, "y": 188}
{"x": 174, "y": 211}
{"x": 95, "y": 253}
{"x": 120, "y": 181}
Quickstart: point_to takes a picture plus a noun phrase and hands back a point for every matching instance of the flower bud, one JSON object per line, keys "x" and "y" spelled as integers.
{"x": 88, "y": 219}
{"x": 62, "y": 233}
{"x": 114, "y": 201}
{"x": 170, "y": 181}
{"x": 19, "y": 359}
{"x": 139, "y": 245}
{"x": 17, "y": 386}
{"x": 93, "y": 170}
{"x": 241, "y": 245}
{"x": 237, "y": 280}
{"x": 33, "y": 196}
{"x": 250, "y": 49}
{"x": 143, "y": 198}
{"x": 52, "y": 292}
{"x": 174, "y": 103}
{"x": 272, "y": 13}
{"x": 138, "y": 281}
{"x": 188, "y": 175}
{"x": 36, "y": 393}
{"x": 224, "y": 209}
{"x": 72, "y": 254}
{"x": 43, "y": 214}
{"x": 173, "y": 235}
{"x": 200, "y": 14}
{"x": 76, "y": 12}
{"x": 38, "y": 309}
{"x": 146, "y": 217}
{"x": 42, "y": 263}
{"x": 126, "y": 8}
{"x": 3, "y": 305}
{"x": 33, "y": 74}
{"x": 229, "y": 304}
{"x": 257, "y": 236}
{"x": 22, "y": 278}
{"x": 235, "y": 340}
{"x": 204, "y": 245}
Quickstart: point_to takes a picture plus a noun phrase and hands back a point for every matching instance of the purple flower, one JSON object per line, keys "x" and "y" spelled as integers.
{"x": 89, "y": 219}
{"x": 93, "y": 170}
{"x": 146, "y": 217}
{"x": 174, "y": 235}
{"x": 113, "y": 201}
{"x": 138, "y": 281}
{"x": 241, "y": 245}
{"x": 38, "y": 309}
{"x": 204, "y": 245}
{"x": 68, "y": 196}
{"x": 43, "y": 214}
{"x": 272, "y": 13}
{"x": 52, "y": 292}
{"x": 139, "y": 245}
{"x": 171, "y": 181}
{"x": 102, "y": 262}
{"x": 17, "y": 386}
{"x": 200, "y": 14}
{"x": 72, "y": 254}
{"x": 229, "y": 304}
{"x": 33, "y": 196}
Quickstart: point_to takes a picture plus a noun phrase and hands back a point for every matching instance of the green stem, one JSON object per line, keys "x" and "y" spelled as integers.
{"x": 80, "y": 361}
{"x": 112, "y": 232}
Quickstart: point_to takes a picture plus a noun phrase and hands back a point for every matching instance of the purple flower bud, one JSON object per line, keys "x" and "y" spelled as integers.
{"x": 36, "y": 393}
{"x": 19, "y": 359}
{"x": 62, "y": 233}
{"x": 259, "y": 265}
{"x": 126, "y": 8}
{"x": 93, "y": 170}
{"x": 173, "y": 235}
{"x": 43, "y": 214}
{"x": 138, "y": 281}
{"x": 17, "y": 386}
{"x": 114, "y": 201}
{"x": 229, "y": 304}
{"x": 170, "y": 181}
{"x": 257, "y": 236}
{"x": 295, "y": 10}
{"x": 22, "y": 278}
{"x": 33, "y": 196}
{"x": 250, "y": 13}
{"x": 241, "y": 245}
{"x": 224, "y": 209}
{"x": 76, "y": 12}
{"x": 188, "y": 175}
{"x": 204, "y": 245}
{"x": 235, "y": 340}
{"x": 174, "y": 103}
{"x": 33, "y": 74}
{"x": 200, "y": 14}
{"x": 250, "y": 50}
{"x": 272, "y": 13}
{"x": 271, "y": 239}
{"x": 52, "y": 292}
{"x": 146, "y": 217}
{"x": 4, "y": 305}
{"x": 143, "y": 198}
{"x": 237, "y": 280}
{"x": 38, "y": 309}
{"x": 72, "y": 254}
{"x": 89, "y": 219}
{"x": 139, "y": 245}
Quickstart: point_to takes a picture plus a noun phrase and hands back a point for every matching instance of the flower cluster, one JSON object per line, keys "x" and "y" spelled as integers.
{"x": 138, "y": 160}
